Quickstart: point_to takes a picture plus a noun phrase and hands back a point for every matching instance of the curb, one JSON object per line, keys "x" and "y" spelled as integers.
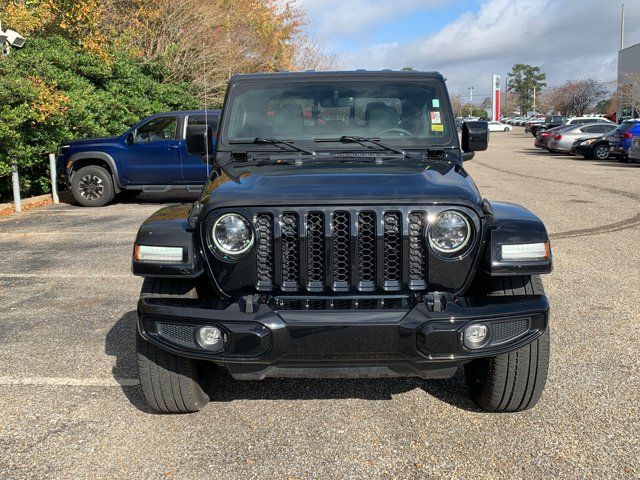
{"x": 27, "y": 204}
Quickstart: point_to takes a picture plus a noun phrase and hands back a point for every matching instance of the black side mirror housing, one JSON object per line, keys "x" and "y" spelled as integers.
{"x": 131, "y": 137}
{"x": 475, "y": 137}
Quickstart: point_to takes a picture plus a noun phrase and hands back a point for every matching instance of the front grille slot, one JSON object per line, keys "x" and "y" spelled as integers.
{"x": 417, "y": 251}
{"x": 392, "y": 251}
{"x": 264, "y": 251}
{"x": 290, "y": 242}
{"x": 315, "y": 251}
{"x": 366, "y": 251}
{"x": 341, "y": 250}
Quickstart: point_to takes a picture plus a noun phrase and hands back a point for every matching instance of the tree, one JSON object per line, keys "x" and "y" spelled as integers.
{"x": 54, "y": 90}
{"x": 629, "y": 94}
{"x": 456, "y": 104}
{"x": 521, "y": 81}
{"x": 577, "y": 97}
{"x": 93, "y": 67}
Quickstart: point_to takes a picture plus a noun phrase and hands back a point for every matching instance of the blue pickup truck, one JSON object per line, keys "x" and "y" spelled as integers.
{"x": 152, "y": 156}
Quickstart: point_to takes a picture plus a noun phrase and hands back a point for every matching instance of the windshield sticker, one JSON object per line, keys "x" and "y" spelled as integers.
{"x": 435, "y": 103}
{"x": 437, "y": 128}
{"x": 435, "y": 117}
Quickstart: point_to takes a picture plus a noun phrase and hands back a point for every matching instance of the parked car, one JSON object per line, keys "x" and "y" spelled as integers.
{"x": 153, "y": 155}
{"x": 542, "y": 139}
{"x": 592, "y": 148}
{"x": 551, "y": 121}
{"x": 531, "y": 122}
{"x": 562, "y": 141}
{"x": 586, "y": 120}
{"x": 620, "y": 140}
{"x": 320, "y": 251}
{"x": 634, "y": 150}
{"x": 499, "y": 127}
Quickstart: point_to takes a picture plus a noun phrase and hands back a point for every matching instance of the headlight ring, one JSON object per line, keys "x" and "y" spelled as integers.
{"x": 232, "y": 234}
{"x": 449, "y": 232}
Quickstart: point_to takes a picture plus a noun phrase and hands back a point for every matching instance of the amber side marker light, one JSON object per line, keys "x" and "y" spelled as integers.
{"x": 148, "y": 253}
{"x": 526, "y": 251}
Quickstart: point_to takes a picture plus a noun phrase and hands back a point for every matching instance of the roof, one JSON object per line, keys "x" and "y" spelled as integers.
{"x": 311, "y": 74}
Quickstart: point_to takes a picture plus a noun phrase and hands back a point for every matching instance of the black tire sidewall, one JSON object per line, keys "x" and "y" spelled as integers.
{"x": 104, "y": 175}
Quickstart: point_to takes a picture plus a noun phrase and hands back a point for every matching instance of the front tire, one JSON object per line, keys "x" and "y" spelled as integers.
{"x": 170, "y": 383}
{"x": 514, "y": 381}
{"x": 601, "y": 152}
{"x": 92, "y": 186}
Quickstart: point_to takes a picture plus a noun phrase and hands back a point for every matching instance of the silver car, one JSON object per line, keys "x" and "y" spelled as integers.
{"x": 561, "y": 142}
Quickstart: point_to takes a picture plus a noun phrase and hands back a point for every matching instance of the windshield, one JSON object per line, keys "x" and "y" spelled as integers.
{"x": 401, "y": 113}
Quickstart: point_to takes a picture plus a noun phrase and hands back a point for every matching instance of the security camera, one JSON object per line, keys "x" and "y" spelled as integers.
{"x": 15, "y": 39}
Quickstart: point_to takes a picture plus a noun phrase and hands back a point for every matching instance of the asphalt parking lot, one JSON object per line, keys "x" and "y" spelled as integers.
{"x": 71, "y": 406}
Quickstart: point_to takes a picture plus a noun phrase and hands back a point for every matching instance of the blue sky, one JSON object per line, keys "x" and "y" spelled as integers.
{"x": 468, "y": 40}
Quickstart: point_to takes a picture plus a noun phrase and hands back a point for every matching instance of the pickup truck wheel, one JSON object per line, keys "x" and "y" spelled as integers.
{"x": 170, "y": 383}
{"x": 92, "y": 186}
{"x": 602, "y": 152}
{"x": 514, "y": 381}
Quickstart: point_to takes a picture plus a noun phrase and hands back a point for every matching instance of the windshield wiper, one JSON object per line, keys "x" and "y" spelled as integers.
{"x": 276, "y": 141}
{"x": 361, "y": 141}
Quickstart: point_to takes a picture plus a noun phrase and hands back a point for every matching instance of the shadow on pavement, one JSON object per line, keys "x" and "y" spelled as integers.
{"x": 120, "y": 343}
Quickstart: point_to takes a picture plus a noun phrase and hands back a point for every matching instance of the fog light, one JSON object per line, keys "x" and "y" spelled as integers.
{"x": 475, "y": 335}
{"x": 210, "y": 338}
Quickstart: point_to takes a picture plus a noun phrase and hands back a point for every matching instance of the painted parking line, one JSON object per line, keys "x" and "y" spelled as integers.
{"x": 66, "y": 275}
{"x": 28, "y": 234}
{"x": 69, "y": 382}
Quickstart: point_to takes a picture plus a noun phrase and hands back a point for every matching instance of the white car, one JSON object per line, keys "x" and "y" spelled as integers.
{"x": 634, "y": 150}
{"x": 499, "y": 127}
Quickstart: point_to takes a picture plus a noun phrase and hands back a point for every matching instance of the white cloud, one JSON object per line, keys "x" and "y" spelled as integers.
{"x": 568, "y": 38}
{"x": 353, "y": 19}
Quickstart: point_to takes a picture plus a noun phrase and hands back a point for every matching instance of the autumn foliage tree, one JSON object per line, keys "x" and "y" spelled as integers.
{"x": 93, "y": 67}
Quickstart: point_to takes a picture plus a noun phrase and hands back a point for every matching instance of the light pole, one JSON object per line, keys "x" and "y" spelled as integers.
{"x": 470, "y": 101}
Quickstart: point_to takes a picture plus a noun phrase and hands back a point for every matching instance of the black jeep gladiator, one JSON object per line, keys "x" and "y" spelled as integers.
{"x": 340, "y": 235}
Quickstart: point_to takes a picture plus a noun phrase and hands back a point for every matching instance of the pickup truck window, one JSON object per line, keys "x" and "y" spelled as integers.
{"x": 197, "y": 126}
{"x": 157, "y": 130}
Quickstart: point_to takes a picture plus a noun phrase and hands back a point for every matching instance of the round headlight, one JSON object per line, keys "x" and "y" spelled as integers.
{"x": 232, "y": 234}
{"x": 449, "y": 232}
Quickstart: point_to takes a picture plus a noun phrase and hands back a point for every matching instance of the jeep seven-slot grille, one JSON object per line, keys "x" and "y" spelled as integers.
{"x": 341, "y": 250}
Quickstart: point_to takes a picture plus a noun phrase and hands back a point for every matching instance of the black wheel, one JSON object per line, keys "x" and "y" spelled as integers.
{"x": 601, "y": 152}
{"x": 170, "y": 383}
{"x": 92, "y": 186}
{"x": 514, "y": 381}
{"x": 506, "y": 129}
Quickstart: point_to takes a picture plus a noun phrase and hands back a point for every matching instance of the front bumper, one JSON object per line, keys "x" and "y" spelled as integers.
{"x": 261, "y": 341}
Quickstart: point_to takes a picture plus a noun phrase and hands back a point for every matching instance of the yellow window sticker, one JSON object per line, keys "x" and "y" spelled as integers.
{"x": 437, "y": 128}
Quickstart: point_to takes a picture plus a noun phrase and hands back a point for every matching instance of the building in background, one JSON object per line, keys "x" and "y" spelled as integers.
{"x": 628, "y": 82}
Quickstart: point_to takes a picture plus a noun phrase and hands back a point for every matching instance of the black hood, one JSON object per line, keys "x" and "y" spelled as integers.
{"x": 442, "y": 183}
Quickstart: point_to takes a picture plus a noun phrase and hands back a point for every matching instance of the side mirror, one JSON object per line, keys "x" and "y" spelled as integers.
{"x": 475, "y": 137}
{"x": 131, "y": 137}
